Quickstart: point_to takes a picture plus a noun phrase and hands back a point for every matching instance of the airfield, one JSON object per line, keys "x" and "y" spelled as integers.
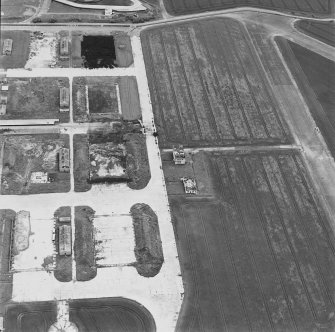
{"x": 246, "y": 92}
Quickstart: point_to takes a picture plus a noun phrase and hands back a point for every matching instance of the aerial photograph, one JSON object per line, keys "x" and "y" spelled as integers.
{"x": 167, "y": 166}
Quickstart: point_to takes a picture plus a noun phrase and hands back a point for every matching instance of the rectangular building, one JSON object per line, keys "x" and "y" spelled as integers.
{"x": 64, "y": 160}
{"x": 64, "y": 99}
{"x": 64, "y": 240}
{"x": 64, "y": 50}
{"x": 7, "y": 47}
{"x": 64, "y": 219}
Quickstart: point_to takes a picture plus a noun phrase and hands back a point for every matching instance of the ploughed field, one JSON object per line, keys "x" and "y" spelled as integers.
{"x": 315, "y": 76}
{"x": 311, "y": 7}
{"x": 323, "y": 31}
{"x": 259, "y": 254}
{"x": 208, "y": 88}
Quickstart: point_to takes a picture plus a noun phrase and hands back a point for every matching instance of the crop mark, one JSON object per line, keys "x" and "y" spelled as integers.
{"x": 306, "y": 185}
{"x": 232, "y": 82}
{"x": 166, "y": 128}
{"x": 208, "y": 104}
{"x": 195, "y": 276}
{"x": 222, "y": 314}
{"x": 187, "y": 83}
{"x": 282, "y": 222}
{"x": 260, "y": 72}
{"x": 260, "y": 117}
{"x": 172, "y": 87}
{"x": 306, "y": 232}
{"x": 238, "y": 209}
{"x": 268, "y": 240}
{"x": 213, "y": 69}
{"x": 225, "y": 230}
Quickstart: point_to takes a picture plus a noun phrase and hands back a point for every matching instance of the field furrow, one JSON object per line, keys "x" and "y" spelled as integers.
{"x": 210, "y": 81}
{"x": 309, "y": 7}
{"x": 264, "y": 260}
{"x": 226, "y": 84}
{"x": 164, "y": 89}
{"x": 257, "y": 85}
{"x": 185, "y": 104}
{"x": 197, "y": 93}
{"x": 216, "y": 95}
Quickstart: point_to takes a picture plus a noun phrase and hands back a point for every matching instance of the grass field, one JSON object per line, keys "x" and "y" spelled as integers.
{"x": 84, "y": 243}
{"x": 207, "y": 86}
{"x": 24, "y": 154}
{"x": 137, "y": 161}
{"x": 323, "y": 31}
{"x": 17, "y": 10}
{"x": 35, "y": 98}
{"x": 315, "y": 76}
{"x": 7, "y": 218}
{"x": 20, "y": 51}
{"x": 260, "y": 254}
{"x": 30, "y": 316}
{"x": 105, "y": 100}
{"x": 81, "y": 163}
{"x": 309, "y": 7}
{"x": 123, "y": 50}
{"x": 111, "y": 314}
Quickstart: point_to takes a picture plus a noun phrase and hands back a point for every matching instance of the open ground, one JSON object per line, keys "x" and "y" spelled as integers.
{"x": 160, "y": 294}
{"x": 89, "y": 315}
{"x": 40, "y": 48}
{"x": 277, "y": 246}
{"x": 204, "y": 93}
{"x": 35, "y": 98}
{"x": 24, "y": 154}
{"x": 257, "y": 223}
{"x": 20, "y": 51}
{"x": 111, "y": 97}
{"x": 257, "y": 255}
{"x": 18, "y": 10}
{"x": 308, "y": 7}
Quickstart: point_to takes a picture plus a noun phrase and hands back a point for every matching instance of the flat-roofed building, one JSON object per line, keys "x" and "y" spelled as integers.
{"x": 64, "y": 240}
{"x": 64, "y": 99}
{"x": 64, "y": 160}
{"x": 64, "y": 50}
{"x": 7, "y": 47}
{"x": 64, "y": 219}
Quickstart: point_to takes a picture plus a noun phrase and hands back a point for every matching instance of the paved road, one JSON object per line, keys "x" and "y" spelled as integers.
{"x": 183, "y": 18}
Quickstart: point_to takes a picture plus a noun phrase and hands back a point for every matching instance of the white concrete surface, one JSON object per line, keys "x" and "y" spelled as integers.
{"x": 43, "y": 52}
{"x": 136, "y": 6}
{"x": 40, "y": 245}
{"x": 115, "y": 238}
{"x": 161, "y": 295}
